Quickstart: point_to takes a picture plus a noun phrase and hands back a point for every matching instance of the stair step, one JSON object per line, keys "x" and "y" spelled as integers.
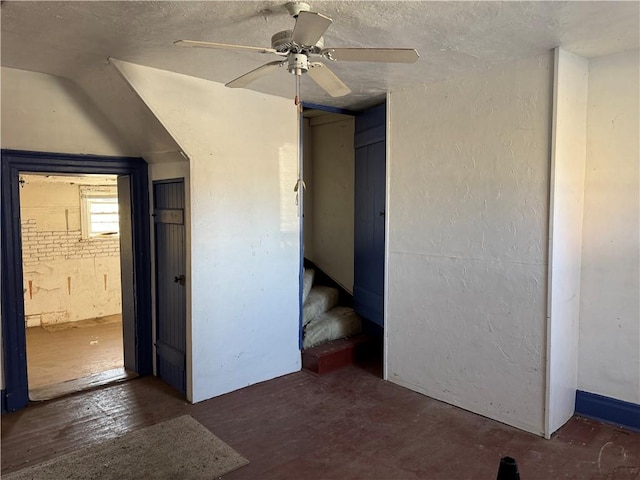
{"x": 307, "y": 282}
{"x": 320, "y": 300}
{"x": 336, "y": 354}
{"x": 339, "y": 322}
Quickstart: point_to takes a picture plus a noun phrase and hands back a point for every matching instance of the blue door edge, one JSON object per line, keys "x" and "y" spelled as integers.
{"x": 300, "y": 206}
{"x": 15, "y": 394}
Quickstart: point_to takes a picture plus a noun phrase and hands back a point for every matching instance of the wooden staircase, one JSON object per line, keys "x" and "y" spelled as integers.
{"x": 337, "y": 354}
{"x": 332, "y": 332}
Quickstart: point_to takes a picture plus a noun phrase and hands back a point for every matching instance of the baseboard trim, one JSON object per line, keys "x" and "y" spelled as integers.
{"x": 608, "y": 410}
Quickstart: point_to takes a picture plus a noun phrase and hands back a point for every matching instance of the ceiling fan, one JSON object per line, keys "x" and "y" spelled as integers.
{"x": 298, "y": 47}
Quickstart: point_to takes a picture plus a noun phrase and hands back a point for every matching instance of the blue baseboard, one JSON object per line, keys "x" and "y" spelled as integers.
{"x": 608, "y": 410}
{"x": 3, "y": 401}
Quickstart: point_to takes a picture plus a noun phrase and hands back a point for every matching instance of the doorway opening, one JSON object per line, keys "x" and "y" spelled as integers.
{"x": 344, "y": 169}
{"x": 134, "y": 251}
{"x": 328, "y": 174}
{"x": 331, "y": 319}
{"x": 71, "y": 280}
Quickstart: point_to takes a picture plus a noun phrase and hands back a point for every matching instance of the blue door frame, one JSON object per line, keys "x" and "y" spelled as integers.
{"x": 15, "y": 394}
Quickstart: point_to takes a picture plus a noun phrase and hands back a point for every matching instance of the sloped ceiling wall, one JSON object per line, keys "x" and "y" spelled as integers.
{"x": 245, "y": 228}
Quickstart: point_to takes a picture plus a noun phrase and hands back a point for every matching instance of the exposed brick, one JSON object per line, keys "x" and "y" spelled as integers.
{"x": 60, "y": 245}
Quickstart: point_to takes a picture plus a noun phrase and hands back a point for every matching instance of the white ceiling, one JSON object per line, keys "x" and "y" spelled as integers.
{"x": 70, "y": 38}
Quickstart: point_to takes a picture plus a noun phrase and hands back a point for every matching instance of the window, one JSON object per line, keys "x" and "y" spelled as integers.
{"x": 99, "y": 211}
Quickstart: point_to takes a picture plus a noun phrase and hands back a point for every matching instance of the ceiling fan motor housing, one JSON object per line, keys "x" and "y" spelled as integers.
{"x": 298, "y": 63}
{"x": 283, "y": 42}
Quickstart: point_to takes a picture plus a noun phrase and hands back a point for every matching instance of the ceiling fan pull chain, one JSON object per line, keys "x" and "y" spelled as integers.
{"x": 300, "y": 183}
{"x": 297, "y": 188}
{"x": 297, "y": 100}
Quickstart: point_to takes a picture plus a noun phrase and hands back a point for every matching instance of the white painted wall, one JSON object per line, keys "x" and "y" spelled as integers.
{"x": 467, "y": 210}
{"x": 568, "y": 157}
{"x": 609, "y": 356}
{"x": 51, "y": 114}
{"x": 66, "y": 278}
{"x": 245, "y": 245}
{"x": 120, "y": 104}
{"x": 332, "y": 190}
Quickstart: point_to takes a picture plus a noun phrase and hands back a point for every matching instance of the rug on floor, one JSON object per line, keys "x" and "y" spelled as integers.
{"x": 178, "y": 448}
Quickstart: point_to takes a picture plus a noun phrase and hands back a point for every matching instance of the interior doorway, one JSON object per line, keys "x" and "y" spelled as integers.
{"x": 328, "y": 229}
{"x": 344, "y": 210}
{"x": 71, "y": 272}
{"x": 344, "y": 162}
{"x": 135, "y": 271}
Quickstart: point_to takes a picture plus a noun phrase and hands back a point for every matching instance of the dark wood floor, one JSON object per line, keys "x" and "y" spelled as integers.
{"x": 345, "y": 425}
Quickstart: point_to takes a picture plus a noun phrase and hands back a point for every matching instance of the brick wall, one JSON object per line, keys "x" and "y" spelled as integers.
{"x": 41, "y": 246}
{"x": 65, "y": 278}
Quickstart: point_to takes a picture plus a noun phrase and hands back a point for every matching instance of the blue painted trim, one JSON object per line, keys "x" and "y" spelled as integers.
{"x": 341, "y": 111}
{"x": 16, "y": 393}
{"x": 301, "y": 232}
{"x": 608, "y": 410}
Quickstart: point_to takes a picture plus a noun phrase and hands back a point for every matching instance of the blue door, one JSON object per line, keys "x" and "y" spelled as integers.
{"x": 370, "y": 178}
{"x": 168, "y": 214}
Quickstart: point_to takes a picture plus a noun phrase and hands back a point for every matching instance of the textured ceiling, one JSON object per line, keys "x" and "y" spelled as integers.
{"x": 71, "y": 38}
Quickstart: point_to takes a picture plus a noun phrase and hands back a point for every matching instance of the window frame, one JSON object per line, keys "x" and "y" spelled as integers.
{"x": 96, "y": 194}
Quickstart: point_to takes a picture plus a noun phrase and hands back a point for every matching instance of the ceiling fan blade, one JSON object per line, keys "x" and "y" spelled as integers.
{"x": 327, "y": 80}
{"x": 253, "y": 75}
{"x": 390, "y": 55}
{"x": 310, "y": 26}
{"x": 222, "y": 46}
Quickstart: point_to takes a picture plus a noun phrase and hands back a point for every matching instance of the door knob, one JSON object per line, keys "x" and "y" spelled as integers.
{"x": 179, "y": 280}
